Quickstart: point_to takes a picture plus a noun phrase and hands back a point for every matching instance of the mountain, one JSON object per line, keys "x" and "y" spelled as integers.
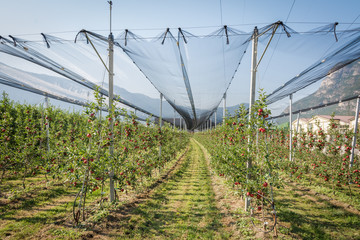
{"x": 153, "y": 104}
{"x": 341, "y": 84}
{"x": 230, "y": 110}
{"x": 65, "y": 87}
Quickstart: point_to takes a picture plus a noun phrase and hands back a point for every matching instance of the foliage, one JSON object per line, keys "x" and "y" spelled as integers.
{"x": 79, "y": 145}
{"x": 317, "y": 156}
{"x": 241, "y": 142}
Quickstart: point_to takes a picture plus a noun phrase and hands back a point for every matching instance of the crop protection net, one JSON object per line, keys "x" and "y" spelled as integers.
{"x": 192, "y": 72}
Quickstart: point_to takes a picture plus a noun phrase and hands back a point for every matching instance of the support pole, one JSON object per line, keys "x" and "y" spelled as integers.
{"x": 174, "y": 115}
{"x": 253, "y": 70}
{"x": 215, "y": 118}
{"x": 297, "y": 126}
{"x": 297, "y": 123}
{"x": 111, "y": 110}
{"x": 180, "y": 122}
{"x": 160, "y": 120}
{"x": 47, "y": 124}
{"x": 252, "y": 100}
{"x": 290, "y": 128}
{"x": 355, "y": 132}
{"x": 224, "y": 108}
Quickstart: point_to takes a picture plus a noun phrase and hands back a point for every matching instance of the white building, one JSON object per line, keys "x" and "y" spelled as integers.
{"x": 352, "y": 123}
{"x": 323, "y": 122}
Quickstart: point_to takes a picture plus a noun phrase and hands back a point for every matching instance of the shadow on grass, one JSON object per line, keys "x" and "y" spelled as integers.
{"x": 22, "y": 227}
{"x": 182, "y": 206}
{"x": 26, "y": 203}
{"x": 317, "y": 219}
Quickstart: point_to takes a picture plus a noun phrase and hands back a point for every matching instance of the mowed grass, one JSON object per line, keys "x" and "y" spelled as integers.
{"x": 311, "y": 217}
{"x": 182, "y": 208}
{"x": 38, "y": 215}
{"x": 39, "y": 211}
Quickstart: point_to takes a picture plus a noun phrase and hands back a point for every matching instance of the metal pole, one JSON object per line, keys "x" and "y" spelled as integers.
{"x": 297, "y": 124}
{"x": 290, "y": 128}
{"x": 224, "y": 108}
{"x": 215, "y": 118}
{"x": 111, "y": 96}
{"x": 47, "y": 125}
{"x": 174, "y": 115}
{"x": 180, "y": 122}
{"x": 355, "y": 132}
{"x": 252, "y": 100}
{"x": 160, "y": 120}
{"x": 253, "y": 70}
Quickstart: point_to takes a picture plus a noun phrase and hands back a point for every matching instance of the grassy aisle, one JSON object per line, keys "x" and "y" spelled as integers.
{"x": 26, "y": 222}
{"x": 312, "y": 216}
{"x": 181, "y": 208}
{"x": 46, "y": 212}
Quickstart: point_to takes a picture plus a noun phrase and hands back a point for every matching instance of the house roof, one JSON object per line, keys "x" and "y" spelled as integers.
{"x": 353, "y": 118}
{"x": 302, "y": 119}
{"x": 345, "y": 119}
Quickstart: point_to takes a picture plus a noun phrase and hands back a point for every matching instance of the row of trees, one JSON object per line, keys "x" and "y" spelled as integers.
{"x": 75, "y": 150}
{"x": 253, "y": 155}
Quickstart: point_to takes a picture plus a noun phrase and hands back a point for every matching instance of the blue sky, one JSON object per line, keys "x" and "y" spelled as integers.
{"x": 48, "y": 16}
{"x": 23, "y": 18}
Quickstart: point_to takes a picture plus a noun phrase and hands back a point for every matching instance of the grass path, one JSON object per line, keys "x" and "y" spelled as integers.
{"x": 186, "y": 202}
{"x": 27, "y": 222}
{"x": 313, "y": 216}
{"x": 182, "y": 208}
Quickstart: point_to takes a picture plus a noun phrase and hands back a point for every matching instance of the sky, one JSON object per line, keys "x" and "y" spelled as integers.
{"x": 27, "y": 19}
{"x": 48, "y": 16}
